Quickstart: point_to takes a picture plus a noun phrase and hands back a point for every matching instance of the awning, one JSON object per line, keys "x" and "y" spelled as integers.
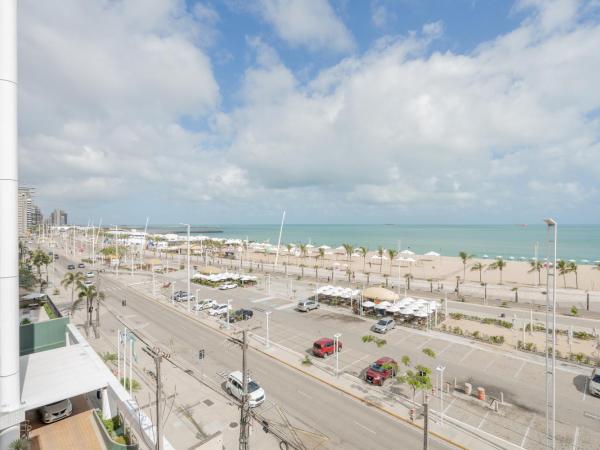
{"x": 380, "y": 293}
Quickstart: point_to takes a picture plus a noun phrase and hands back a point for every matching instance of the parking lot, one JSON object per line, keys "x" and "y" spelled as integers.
{"x": 518, "y": 378}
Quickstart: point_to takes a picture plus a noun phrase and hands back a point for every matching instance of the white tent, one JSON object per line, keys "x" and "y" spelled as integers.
{"x": 325, "y": 247}
{"x": 431, "y": 253}
{"x": 407, "y": 252}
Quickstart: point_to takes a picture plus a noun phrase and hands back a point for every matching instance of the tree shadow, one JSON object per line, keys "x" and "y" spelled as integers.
{"x": 580, "y": 382}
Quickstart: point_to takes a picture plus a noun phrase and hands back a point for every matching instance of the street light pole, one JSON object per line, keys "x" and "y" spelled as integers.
{"x": 336, "y": 344}
{"x": 550, "y": 352}
{"x": 268, "y": 313}
{"x": 441, "y": 369}
{"x": 189, "y": 276}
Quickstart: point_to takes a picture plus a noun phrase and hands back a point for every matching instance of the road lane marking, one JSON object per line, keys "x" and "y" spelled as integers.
{"x": 264, "y": 299}
{"x": 483, "y": 419}
{"x": 366, "y": 428}
{"x": 289, "y": 305}
{"x": 466, "y": 355}
{"x": 520, "y": 368}
{"x": 575, "y": 438}
{"x": 585, "y": 389}
{"x": 527, "y": 431}
{"x": 303, "y": 394}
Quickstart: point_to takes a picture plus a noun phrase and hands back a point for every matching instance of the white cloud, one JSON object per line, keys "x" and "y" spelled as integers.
{"x": 312, "y": 24}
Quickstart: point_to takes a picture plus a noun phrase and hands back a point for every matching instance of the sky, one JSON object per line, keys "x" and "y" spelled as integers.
{"x": 336, "y": 111}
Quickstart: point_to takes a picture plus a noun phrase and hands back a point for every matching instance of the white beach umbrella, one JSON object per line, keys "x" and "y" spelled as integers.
{"x": 310, "y": 246}
{"x": 572, "y": 260}
{"x": 431, "y": 253}
{"x": 325, "y": 247}
{"x": 485, "y": 256}
{"x": 407, "y": 252}
{"x": 511, "y": 257}
{"x": 585, "y": 261}
{"x": 368, "y": 304}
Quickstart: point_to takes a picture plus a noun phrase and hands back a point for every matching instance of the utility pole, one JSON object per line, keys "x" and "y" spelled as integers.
{"x": 425, "y": 423}
{"x": 157, "y": 355}
{"x": 245, "y": 407}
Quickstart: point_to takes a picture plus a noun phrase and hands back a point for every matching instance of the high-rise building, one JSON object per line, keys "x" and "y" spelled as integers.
{"x": 29, "y": 215}
{"x": 58, "y": 218}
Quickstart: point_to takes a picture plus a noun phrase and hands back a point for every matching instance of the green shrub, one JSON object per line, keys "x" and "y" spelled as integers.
{"x": 497, "y": 339}
{"x": 476, "y": 334}
{"x": 583, "y": 335}
{"x": 456, "y": 316}
{"x": 307, "y": 361}
{"x": 574, "y": 310}
{"x": 25, "y": 321}
{"x": 49, "y": 311}
{"x": 457, "y": 330}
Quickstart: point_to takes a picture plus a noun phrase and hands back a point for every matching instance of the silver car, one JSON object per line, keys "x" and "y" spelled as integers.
{"x": 384, "y": 325}
{"x": 307, "y": 305}
{"x": 56, "y": 411}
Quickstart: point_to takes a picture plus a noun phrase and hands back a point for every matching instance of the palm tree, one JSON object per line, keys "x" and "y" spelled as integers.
{"x": 464, "y": 256}
{"x": 316, "y": 267}
{"x": 73, "y": 279}
{"x": 499, "y": 264}
{"x": 536, "y": 266}
{"x": 573, "y": 268}
{"x": 303, "y": 252}
{"x": 478, "y": 266}
{"x": 516, "y": 291}
{"x": 380, "y": 251}
{"x": 563, "y": 269}
{"x": 41, "y": 258}
{"x": 408, "y": 277}
{"x": 363, "y": 252}
{"x": 391, "y": 254}
{"x": 89, "y": 294}
{"x": 321, "y": 255}
{"x": 349, "y": 249}
{"x": 302, "y": 266}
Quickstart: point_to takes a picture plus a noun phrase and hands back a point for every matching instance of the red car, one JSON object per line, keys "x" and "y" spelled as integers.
{"x": 381, "y": 370}
{"x": 324, "y": 347}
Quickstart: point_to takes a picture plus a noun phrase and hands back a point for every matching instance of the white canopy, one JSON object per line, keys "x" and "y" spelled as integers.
{"x": 368, "y": 304}
{"x": 325, "y": 247}
{"x": 407, "y": 252}
{"x": 432, "y": 253}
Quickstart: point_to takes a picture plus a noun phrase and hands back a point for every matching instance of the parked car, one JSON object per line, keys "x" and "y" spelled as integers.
{"x": 324, "y": 347}
{"x": 56, "y": 411}
{"x": 594, "y": 385}
{"x": 307, "y": 305}
{"x": 219, "y": 310}
{"x": 90, "y": 275}
{"x": 88, "y": 283}
{"x": 81, "y": 265}
{"x": 185, "y": 297}
{"x": 226, "y": 286}
{"x": 71, "y": 267}
{"x": 234, "y": 387}
{"x": 384, "y": 325}
{"x": 178, "y": 294}
{"x": 55, "y": 257}
{"x": 381, "y": 370}
{"x": 205, "y": 304}
{"x": 241, "y": 314}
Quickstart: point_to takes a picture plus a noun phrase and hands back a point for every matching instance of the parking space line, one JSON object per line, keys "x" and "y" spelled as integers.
{"x": 449, "y": 405}
{"x": 466, "y": 355}
{"x": 362, "y": 426}
{"x": 353, "y": 363}
{"x": 490, "y": 363}
{"x": 303, "y": 393}
{"x": 585, "y": 389}
{"x": 483, "y": 419}
{"x": 575, "y": 438}
{"x": 527, "y": 431}
{"x": 260, "y": 300}
{"x": 520, "y": 368}
{"x": 445, "y": 348}
{"x": 289, "y": 305}
{"x": 420, "y": 346}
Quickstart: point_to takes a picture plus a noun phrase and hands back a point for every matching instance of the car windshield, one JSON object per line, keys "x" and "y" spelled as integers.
{"x": 253, "y": 386}
{"x": 596, "y": 378}
{"x": 317, "y": 345}
{"x": 377, "y": 368}
{"x": 382, "y": 322}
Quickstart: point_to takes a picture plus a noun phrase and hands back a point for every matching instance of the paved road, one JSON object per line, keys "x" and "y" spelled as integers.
{"x": 347, "y": 423}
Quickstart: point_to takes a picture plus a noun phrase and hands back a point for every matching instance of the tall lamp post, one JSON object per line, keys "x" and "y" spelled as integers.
{"x": 551, "y": 334}
{"x": 336, "y": 343}
{"x": 267, "y": 343}
{"x": 189, "y": 276}
{"x": 441, "y": 369}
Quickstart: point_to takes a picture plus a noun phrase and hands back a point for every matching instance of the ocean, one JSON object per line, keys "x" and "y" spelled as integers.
{"x": 578, "y": 242}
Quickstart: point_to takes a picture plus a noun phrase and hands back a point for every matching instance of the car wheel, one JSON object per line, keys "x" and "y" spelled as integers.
{"x": 229, "y": 391}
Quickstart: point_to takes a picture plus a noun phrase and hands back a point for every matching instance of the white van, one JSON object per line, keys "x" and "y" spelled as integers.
{"x": 234, "y": 386}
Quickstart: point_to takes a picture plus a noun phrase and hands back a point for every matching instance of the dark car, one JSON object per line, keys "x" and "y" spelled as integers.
{"x": 381, "y": 370}
{"x": 324, "y": 347}
{"x": 55, "y": 256}
{"x": 71, "y": 267}
{"x": 241, "y": 314}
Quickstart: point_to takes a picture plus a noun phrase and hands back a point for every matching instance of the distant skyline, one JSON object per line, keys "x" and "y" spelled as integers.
{"x": 340, "y": 111}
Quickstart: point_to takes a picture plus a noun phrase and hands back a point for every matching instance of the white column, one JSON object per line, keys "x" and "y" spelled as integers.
{"x": 130, "y": 366}
{"x": 10, "y": 388}
{"x": 106, "y": 414}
